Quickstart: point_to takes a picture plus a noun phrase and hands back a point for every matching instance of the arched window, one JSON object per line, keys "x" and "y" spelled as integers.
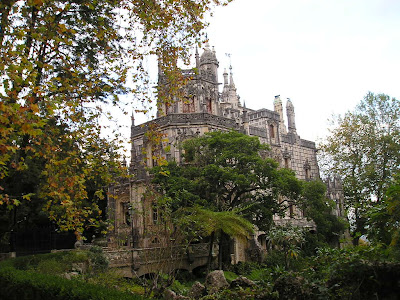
{"x": 155, "y": 241}
{"x": 125, "y": 215}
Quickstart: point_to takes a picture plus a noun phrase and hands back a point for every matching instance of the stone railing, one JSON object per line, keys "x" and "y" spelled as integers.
{"x": 302, "y": 223}
{"x": 256, "y": 131}
{"x": 120, "y": 257}
{"x": 125, "y": 257}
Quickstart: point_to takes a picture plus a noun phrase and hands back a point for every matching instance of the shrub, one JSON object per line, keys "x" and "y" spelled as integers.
{"x": 245, "y": 268}
{"x": 99, "y": 262}
{"x": 17, "y": 284}
{"x": 230, "y": 276}
{"x": 292, "y": 286}
{"x": 32, "y": 262}
{"x": 51, "y": 267}
{"x": 179, "y": 288}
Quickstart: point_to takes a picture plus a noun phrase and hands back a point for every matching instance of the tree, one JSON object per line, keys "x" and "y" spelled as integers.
{"x": 364, "y": 149}
{"x": 62, "y": 62}
{"x": 384, "y": 218}
{"x": 317, "y": 207}
{"x": 393, "y": 202}
{"x": 226, "y": 171}
{"x": 287, "y": 239}
{"x": 206, "y": 223}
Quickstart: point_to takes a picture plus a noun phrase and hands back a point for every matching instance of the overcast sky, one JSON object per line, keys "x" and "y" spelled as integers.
{"x": 324, "y": 55}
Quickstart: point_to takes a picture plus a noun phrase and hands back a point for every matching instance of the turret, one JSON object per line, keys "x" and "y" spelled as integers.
{"x": 290, "y": 116}
{"x": 225, "y": 89}
{"x": 225, "y": 78}
{"x": 209, "y": 64}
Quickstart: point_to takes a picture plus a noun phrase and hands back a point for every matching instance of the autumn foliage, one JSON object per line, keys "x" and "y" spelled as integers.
{"x": 63, "y": 64}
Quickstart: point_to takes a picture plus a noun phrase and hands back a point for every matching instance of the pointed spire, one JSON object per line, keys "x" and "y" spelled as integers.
{"x": 197, "y": 58}
{"x": 232, "y": 84}
{"x": 244, "y": 104}
{"x": 290, "y": 116}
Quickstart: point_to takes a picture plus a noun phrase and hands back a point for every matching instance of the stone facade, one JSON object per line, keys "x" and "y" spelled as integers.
{"x": 205, "y": 108}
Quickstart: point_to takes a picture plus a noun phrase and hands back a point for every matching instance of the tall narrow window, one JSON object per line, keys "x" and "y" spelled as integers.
{"x": 125, "y": 216}
{"x": 209, "y": 106}
{"x": 291, "y": 210}
{"x": 307, "y": 169}
{"x": 307, "y": 174}
{"x": 272, "y": 131}
{"x": 287, "y": 163}
{"x": 155, "y": 214}
{"x": 155, "y": 156}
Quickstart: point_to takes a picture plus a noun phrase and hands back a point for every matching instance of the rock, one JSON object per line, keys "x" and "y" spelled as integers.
{"x": 242, "y": 281}
{"x": 197, "y": 290}
{"x": 81, "y": 268}
{"x": 78, "y": 244}
{"x": 69, "y": 275}
{"x": 181, "y": 297}
{"x": 216, "y": 281}
{"x": 169, "y": 295}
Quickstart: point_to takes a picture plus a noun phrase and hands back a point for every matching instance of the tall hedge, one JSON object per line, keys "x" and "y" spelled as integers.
{"x": 17, "y": 284}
